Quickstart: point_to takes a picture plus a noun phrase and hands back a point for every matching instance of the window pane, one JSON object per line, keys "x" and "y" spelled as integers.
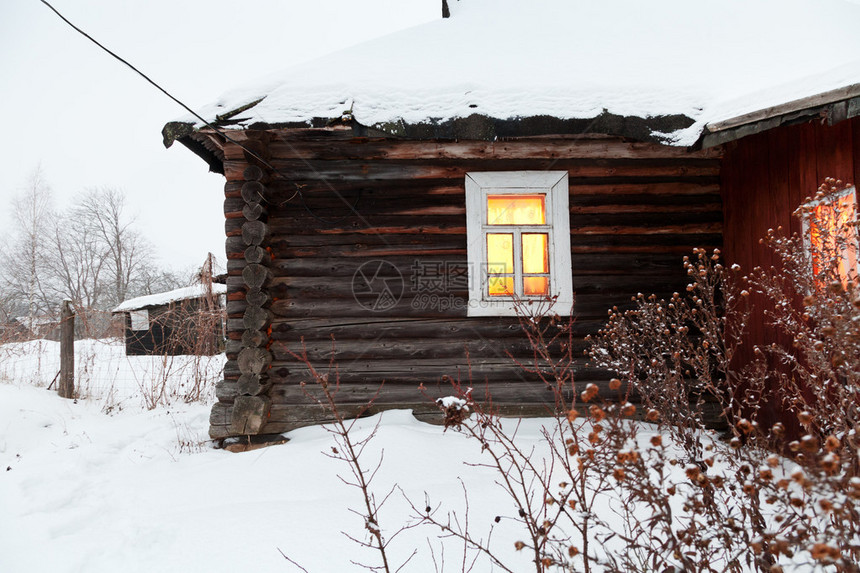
{"x": 501, "y": 286}
{"x": 833, "y": 238}
{"x": 535, "y": 285}
{"x": 535, "y": 253}
{"x": 516, "y": 210}
{"x": 500, "y": 252}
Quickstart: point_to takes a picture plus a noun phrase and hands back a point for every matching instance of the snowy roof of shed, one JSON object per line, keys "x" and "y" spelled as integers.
{"x": 162, "y": 298}
{"x": 706, "y": 62}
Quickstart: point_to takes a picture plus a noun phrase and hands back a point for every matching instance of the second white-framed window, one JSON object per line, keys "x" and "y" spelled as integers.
{"x": 518, "y": 241}
{"x": 831, "y": 238}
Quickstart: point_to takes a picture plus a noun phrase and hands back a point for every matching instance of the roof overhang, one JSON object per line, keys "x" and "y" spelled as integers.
{"x": 832, "y": 106}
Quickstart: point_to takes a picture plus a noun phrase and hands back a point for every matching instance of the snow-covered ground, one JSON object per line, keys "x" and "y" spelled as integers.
{"x": 82, "y": 490}
{"x": 105, "y": 375}
{"x": 106, "y": 484}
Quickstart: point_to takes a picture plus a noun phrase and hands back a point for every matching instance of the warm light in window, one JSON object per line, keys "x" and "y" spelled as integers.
{"x": 516, "y": 210}
{"x": 500, "y": 263}
{"x": 500, "y": 252}
{"x": 832, "y": 236}
{"x": 535, "y": 260}
{"x": 533, "y": 286}
{"x": 501, "y": 286}
{"x": 534, "y": 253}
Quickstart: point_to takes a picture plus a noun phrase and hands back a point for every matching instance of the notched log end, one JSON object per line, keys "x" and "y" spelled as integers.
{"x": 249, "y": 415}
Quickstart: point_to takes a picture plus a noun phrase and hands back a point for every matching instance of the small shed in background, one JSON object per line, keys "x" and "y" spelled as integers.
{"x": 188, "y": 320}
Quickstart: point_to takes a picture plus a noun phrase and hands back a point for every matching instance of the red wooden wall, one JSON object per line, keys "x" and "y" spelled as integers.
{"x": 764, "y": 178}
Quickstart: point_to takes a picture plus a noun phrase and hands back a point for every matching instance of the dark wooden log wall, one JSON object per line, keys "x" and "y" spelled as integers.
{"x": 173, "y": 329}
{"x": 340, "y": 202}
{"x": 764, "y": 178}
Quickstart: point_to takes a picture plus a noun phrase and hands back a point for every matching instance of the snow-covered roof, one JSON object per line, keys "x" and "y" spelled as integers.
{"x": 708, "y": 60}
{"x": 35, "y": 321}
{"x": 184, "y": 293}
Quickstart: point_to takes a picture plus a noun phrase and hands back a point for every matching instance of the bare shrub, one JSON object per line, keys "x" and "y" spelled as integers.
{"x": 763, "y": 511}
{"x": 349, "y": 448}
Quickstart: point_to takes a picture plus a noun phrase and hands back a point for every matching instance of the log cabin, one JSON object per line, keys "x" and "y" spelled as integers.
{"x": 401, "y": 196}
{"x": 186, "y": 320}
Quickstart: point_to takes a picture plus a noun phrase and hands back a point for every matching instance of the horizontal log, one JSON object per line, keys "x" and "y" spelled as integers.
{"x": 232, "y": 348}
{"x": 382, "y": 347}
{"x": 287, "y": 417}
{"x": 657, "y": 243}
{"x": 345, "y": 287}
{"x": 534, "y": 393}
{"x": 581, "y": 263}
{"x": 585, "y": 306}
{"x": 252, "y": 385}
{"x": 672, "y": 188}
{"x": 686, "y": 229}
{"x": 499, "y": 392}
{"x": 378, "y": 328}
{"x": 447, "y": 189}
{"x": 225, "y": 391}
{"x": 417, "y": 201}
{"x": 301, "y": 170}
{"x": 415, "y": 372}
{"x": 612, "y": 208}
{"x": 235, "y": 266}
{"x": 587, "y": 205}
{"x": 221, "y": 413}
{"x": 537, "y": 148}
{"x": 233, "y": 189}
{"x": 280, "y": 250}
{"x": 231, "y": 370}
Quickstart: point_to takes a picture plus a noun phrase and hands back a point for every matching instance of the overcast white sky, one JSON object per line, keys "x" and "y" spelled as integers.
{"x": 91, "y": 122}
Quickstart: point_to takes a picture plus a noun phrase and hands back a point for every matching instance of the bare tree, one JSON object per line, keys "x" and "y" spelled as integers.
{"x": 76, "y": 267}
{"x": 91, "y": 254}
{"x": 127, "y": 253}
{"x": 24, "y": 259}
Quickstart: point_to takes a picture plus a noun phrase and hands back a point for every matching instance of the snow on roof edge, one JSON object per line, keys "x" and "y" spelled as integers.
{"x": 184, "y": 293}
{"x": 396, "y": 79}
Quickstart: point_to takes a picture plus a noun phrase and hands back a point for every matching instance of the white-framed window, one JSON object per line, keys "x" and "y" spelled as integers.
{"x": 518, "y": 240}
{"x": 830, "y": 236}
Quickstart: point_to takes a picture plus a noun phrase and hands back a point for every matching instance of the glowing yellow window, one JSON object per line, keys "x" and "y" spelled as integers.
{"x": 517, "y": 260}
{"x": 535, "y": 264}
{"x": 518, "y": 241}
{"x": 516, "y": 210}
{"x": 831, "y": 236}
{"x": 500, "y": 264}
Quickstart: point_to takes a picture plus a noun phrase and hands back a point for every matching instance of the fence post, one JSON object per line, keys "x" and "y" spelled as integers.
{"x": 66, "y": 388}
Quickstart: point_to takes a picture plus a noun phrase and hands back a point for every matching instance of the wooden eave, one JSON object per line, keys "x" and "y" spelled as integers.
{"x": 209, "y": 144}
{"x": 832, "y": 106}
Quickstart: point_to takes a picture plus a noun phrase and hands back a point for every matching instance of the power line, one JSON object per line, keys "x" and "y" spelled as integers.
{"x": 219, "y": 131}
{"x": 161, "y": 89}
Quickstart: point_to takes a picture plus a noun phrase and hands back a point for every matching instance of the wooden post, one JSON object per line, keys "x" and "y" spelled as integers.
{"x": 66, "y": 388}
